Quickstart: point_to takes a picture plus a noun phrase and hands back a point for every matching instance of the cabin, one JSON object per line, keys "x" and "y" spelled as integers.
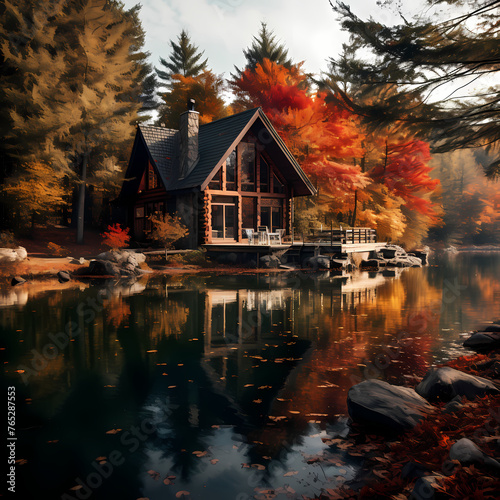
{"x": 232, "y": 181}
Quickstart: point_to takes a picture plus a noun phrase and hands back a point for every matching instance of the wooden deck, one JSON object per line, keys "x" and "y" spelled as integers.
{"x": 341, "y": 241}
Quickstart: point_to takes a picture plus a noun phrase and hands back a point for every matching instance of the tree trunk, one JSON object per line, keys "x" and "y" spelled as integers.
{"x": 353, "y": 221}
{"x": 80, "y": 222}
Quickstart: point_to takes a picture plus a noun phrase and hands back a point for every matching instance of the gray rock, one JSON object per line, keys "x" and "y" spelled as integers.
{"x": 103, "y": 268}
{"x": 422, "y": 255}
{"x": 17, "y": 280}
{"x": 491, "y": 328}
{"x": 412, "y": 470}
{"x": 445, "y": 383}
{"x": 454, "y": 405}
{"x": 390, "y": 408}
{"x": 483, "y": 341}
{"x": 319, "y": 262}
{"x": 423, "y": 489}
{"x": 270, "y": 261}
{"x": 467, "y": 452}
{"x": 63, "y": 276}
{"x": 13, "y": 254}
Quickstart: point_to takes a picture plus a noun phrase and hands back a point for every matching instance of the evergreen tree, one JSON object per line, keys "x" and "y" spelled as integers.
{"x": 146, "y": 90}
{"x": 425, "y": 57}
{"x": 185, "y": 60}
{"x": 264, "y": 46}
{"x": 73, "y": 94}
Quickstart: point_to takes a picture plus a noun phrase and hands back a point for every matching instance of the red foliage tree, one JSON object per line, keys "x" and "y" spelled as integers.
{"x": 116, "y": 237}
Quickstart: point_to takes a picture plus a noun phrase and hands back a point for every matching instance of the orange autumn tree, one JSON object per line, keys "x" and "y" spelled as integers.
{"x": 380, "y": 180}
{"x": 400, "y": 201}
{"x": 324, "y": 139}
{"x": 206, "y": 89}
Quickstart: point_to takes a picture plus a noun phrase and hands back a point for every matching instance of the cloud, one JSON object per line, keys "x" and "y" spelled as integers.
{"x": 223, "y": 28}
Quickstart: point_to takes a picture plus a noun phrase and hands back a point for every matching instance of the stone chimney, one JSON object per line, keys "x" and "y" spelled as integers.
{"x": 189, "y": 127}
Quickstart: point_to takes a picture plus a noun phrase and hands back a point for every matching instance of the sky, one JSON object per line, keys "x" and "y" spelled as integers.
{"x": 223, "y": 28}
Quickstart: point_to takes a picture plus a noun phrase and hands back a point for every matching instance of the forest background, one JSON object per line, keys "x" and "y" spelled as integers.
{"x": 399, "y": 132}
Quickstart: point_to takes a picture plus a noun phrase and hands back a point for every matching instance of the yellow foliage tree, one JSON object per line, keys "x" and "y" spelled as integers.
{"x": 167, "y": 229}
{"x": 36, "y": 190}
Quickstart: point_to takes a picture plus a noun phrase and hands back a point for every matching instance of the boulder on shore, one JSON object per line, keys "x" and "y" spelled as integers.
{"x": 467, "y": 452}
{"x": 115, "y": 263}
{"x": 319, "y": 262}
{"x": 17, "y": 280}
{"x": 443, "y": 384}
{"x": 387, "y": 407}
{"x": 483, "y": 341}
{"x": 13, "y": 254}
{"x": 63, "y": 276}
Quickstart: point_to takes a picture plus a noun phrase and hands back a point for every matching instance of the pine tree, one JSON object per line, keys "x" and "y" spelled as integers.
{"x": 457, "y": 57}
{"x": 185, "y": 60}
{"x": 75, "y": 88}
{"x": 264, "y": 46}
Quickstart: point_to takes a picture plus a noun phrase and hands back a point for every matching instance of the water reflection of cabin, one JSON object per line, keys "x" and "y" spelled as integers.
{"x": 226, "y": 179}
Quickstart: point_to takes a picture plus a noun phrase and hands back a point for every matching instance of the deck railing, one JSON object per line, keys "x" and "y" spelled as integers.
{"x": 353, "y": 235}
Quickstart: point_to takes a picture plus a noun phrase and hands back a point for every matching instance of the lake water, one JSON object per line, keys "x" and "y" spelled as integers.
{"x": 219, "y": 385}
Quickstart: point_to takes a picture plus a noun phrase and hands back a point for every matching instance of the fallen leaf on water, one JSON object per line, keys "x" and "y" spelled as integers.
{"x": 199, "y": 453}
{"x": 333, "y": 495}
{"x": 290, "y": 473}
{"x": 155, "y": 475}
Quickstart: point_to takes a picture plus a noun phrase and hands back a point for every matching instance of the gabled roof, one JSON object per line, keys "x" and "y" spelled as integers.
{"x": 163, "y": 146}
{"x": 215, "y": 142}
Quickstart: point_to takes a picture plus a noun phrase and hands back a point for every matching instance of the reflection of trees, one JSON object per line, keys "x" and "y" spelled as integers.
{"x": 195, "y": 406}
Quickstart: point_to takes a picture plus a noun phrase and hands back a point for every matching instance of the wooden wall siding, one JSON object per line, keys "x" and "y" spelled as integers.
{"x": 239, "y": 211}
{"x": 207, "y": 212}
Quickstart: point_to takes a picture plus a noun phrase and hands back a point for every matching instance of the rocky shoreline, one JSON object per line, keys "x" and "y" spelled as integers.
{"x": 440, "y": 439}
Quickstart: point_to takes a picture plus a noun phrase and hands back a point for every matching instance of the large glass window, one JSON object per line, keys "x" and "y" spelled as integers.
{"x": 264, "y": 176}
{"x": 272, "y": 216}
{"x": 152, "y": 177}
{"x": 224, "y": 218}
{"x": 216, "y": 182}
{"x": 231, "y": 172}
{"x": 278, "y": 186}
{"x": 247, "y": 166}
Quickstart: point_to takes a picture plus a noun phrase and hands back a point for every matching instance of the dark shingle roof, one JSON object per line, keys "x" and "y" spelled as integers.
{"x": 163, "y": 145}
{"x": 216, "y": 139}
